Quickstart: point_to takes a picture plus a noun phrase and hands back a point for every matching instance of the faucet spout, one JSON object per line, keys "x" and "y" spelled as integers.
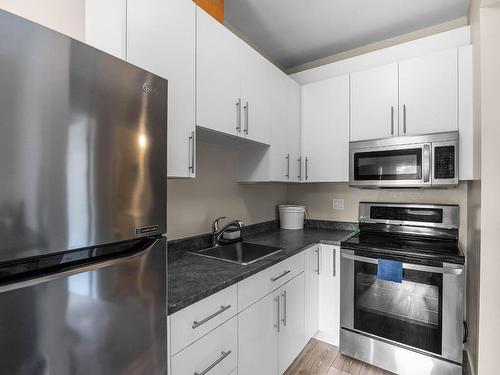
{"x": 217, "y": 232}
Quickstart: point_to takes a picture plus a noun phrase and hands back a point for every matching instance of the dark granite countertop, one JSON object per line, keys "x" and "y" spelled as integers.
{"x": 192, "y": 278}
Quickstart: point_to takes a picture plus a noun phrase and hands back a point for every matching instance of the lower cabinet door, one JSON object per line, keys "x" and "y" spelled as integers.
{"x": 216, "y": 353}
{"x": 311, "y": 274}
{"x": 258, "y": 337}
{"x": 292, "y": 332}
{"x": 329, "y": 295}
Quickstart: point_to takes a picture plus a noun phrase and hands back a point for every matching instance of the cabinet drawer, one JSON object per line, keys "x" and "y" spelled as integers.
{"x": 259, "y": 285}
{"x": 195, "y": 321}
{"x": 215, "y": 352}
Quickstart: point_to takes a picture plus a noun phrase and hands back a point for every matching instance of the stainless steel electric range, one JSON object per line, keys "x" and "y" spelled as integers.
{"x": 413, "y": 325}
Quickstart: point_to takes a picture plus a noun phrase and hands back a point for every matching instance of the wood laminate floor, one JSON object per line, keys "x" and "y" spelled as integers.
{"x": 319, "y": 358}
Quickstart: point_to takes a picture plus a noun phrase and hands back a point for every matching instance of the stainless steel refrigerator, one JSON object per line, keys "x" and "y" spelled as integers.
{"x": 83, "y": 158}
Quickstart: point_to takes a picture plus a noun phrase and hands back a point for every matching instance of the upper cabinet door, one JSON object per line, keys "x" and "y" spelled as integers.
{"x": 325, "y": 130}
{"x": 106, "y": 26}
{"x": 256, "y": 99}
{"x": 428, "y": 91}
{"x": 293, "y": 126}
{"x": 161, "y": 39}
{"x": 374, "y": 103}
{"x": 218, "y": 79}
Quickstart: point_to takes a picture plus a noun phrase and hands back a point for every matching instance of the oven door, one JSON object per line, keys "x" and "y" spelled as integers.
{"x": 393, "y": 166}
{"x": 424, "y": 312}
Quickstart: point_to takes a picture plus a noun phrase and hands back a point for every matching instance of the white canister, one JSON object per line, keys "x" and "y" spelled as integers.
{"x": 292, "y": 216}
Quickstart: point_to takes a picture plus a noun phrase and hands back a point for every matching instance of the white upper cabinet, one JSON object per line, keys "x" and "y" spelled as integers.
{"x": 161, "y": 39}
{"x": 218, "y": 78}
{"x": 325, "y": 130}
{"x": 255, "y": 94}
{"x": 374, "y": 103}
{"x": 233, "y": 89}
{"x": 292, "y": 131}
{"x": 106, "y": 26}
{"x": 428, "y": 92}
{"x": 285, "y": 127}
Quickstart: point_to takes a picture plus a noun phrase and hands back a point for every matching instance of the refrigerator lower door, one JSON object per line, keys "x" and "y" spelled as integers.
{"x": 107, "y": 318}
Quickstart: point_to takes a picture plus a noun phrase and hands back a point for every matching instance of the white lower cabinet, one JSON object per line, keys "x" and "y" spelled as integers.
{"x": 216, "y": 353}
{"x": 271, "y": 331}
{"x": 279, "y": 310}
{"x": 258, "y": 337}
{"x": 195, "y": 321}
{"x": 311, "y": 275}
{"x": 292, "y": 331}
{"x": 329, "y": 295}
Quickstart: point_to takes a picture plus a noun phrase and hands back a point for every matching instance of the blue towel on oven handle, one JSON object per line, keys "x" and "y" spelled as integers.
{"x": 390, "y": 270}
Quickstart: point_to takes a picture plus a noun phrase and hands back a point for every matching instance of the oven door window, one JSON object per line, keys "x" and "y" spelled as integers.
{"x": 405, "y": 164}
{"x": 409, "y": 313}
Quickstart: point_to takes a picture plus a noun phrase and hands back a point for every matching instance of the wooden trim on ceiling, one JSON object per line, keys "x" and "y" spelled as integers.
{"x": 213, "y": 7}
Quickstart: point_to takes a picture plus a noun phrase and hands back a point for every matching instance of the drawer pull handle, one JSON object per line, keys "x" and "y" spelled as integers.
{"x": 217, "y": 361}
{"x": 273, "y": 279}
{"x": 223, "y": 308}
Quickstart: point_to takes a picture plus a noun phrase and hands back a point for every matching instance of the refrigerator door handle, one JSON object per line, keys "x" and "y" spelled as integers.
{"x": 84, "y": 268}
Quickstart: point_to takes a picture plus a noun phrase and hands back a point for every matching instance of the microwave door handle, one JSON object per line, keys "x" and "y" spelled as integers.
{"x": 426, "y": 165}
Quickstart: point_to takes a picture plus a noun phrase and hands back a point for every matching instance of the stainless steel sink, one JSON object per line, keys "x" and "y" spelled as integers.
{"x": 240, "y": 252}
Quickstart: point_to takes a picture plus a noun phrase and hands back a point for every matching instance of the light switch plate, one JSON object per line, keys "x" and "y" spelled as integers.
{"x": 338, "y": 204}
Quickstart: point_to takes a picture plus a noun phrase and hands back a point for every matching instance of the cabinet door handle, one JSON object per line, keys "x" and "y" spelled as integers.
{"x": 300, "y": 168}
{"x": 334, "y": 272}
{"x": 246, "y": 109}
{"x": 283, "y": 298}
{"x": 223, "y": 308}
{"x": 287, "y": 157}
{"x": 238, "y": 115}
{"x": 277, "y": 324}
{"x": 307, "y": 174}
{"x": 404, "y": 119}
{"x": 216, "y": 362}
{"x": 317, "y": 259}
{"x": 392, "y": 120}
{"x": 191, "y": 153}
{"x": 273, "y": 279}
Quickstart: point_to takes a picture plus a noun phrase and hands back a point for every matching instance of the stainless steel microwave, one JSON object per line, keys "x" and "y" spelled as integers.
{"x": 425, "y": 161}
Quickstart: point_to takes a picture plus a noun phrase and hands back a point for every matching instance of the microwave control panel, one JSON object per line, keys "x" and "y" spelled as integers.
{"x": 444, "y": 162}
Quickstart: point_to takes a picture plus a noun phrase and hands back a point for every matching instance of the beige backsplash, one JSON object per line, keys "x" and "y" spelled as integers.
{"x": 317, "y": 197}
{"x": 194, "y": 203}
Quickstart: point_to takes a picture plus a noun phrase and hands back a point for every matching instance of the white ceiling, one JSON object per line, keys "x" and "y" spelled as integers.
{"x": 297, "y": 31}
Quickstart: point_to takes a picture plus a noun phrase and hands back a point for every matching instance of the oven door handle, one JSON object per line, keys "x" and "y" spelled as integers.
{"x": 410, "y": 266}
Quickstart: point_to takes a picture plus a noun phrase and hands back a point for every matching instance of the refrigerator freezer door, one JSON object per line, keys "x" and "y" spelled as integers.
{"x": 83, "y": 144}
{"x": 109, "y": 319}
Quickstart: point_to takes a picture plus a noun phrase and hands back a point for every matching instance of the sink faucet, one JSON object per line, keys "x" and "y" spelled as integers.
{"x": 217, "y": 231}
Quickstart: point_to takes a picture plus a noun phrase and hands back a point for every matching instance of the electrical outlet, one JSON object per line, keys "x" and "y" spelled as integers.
{"x": 338, "y": 204}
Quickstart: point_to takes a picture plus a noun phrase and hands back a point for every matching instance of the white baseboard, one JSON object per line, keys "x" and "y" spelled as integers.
{"x": 327, "y": 337}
